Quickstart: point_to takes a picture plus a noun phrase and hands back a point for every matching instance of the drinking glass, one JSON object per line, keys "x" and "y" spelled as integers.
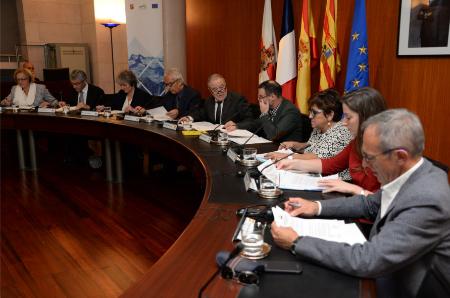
{"x": 249, "y": 153}
{"x": 66, "y": 109}
{"x": 222, "y": 136}
{"x": 253, "y": 238}
{"x": 107, "y": 112}
{"x": 267, "y": 185}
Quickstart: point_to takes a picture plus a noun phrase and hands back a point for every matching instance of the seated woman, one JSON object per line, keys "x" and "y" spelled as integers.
{"x": 329, "y": 135}
{"x": 28, "y": 93}
{"x": 130, "y": 98}
{"x": 358, "y": 106}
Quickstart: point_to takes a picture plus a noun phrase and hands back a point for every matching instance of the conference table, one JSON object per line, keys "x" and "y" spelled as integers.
{"x": 190, "y": 261}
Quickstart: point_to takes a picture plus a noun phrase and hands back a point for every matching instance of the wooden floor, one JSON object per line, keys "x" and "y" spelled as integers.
{"x": 65, "y": 232}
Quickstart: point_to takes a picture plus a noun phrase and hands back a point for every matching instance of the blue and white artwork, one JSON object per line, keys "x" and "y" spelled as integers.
{"x": 145, "y": 43}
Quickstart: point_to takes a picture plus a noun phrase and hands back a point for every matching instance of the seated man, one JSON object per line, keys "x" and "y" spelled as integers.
{"x": 280, "y": 120}
{"x": 28, "y": 65}
{"x": 223, "y": 107}
{"x": 408, "y": 248}
{"x": 85, "y": 96}
{"x": 179, "y": 99}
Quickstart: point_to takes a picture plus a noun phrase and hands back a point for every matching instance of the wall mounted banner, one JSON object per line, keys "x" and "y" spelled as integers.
{"x": 145, "y": 43}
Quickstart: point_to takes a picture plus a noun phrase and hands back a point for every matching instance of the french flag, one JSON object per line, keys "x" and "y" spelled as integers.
{"x": 287, "y": 57}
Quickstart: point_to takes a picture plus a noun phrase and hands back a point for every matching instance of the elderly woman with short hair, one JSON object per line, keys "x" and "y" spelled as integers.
{"x": 28, "y": 93}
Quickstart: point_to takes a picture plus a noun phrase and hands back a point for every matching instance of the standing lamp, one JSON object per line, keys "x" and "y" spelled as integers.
{"x": 111, "y": 26}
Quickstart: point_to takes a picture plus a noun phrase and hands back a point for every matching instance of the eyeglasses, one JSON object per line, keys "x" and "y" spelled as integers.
{"x": 22, "y": 79}
{"x": 170, "y": 84}
{"x": 313, "y": 113}
{"x": 218, "y": 90}
{"x": 370, "y": 158}
{"x": 243, "y": 277}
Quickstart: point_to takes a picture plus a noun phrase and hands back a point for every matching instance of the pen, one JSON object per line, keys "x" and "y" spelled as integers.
{"x": 295, "y": 205}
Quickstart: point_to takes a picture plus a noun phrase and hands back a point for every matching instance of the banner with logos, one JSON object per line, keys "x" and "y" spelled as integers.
{"x": 145, "y": 43}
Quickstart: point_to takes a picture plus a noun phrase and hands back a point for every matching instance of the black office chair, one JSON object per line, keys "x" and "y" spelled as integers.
{"x": 438, "y": 164}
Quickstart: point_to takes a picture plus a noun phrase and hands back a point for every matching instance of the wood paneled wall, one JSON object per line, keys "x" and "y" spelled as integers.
{"x": 224, "y": 36}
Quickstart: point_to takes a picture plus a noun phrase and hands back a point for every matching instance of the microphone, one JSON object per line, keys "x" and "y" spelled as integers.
{"x": 212, "y": 132}
{"x": 238, "y": 148}
{"x": 277, "y": 160}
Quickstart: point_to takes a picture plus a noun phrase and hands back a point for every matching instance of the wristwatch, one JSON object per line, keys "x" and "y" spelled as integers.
{"x": 293, "y": 245}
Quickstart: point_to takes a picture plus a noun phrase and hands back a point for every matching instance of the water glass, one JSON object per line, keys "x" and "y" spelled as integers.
{"x": 249, "y": 153}
{"x": 253, "y": 238}
{"x": 66, "y": 109}
{"x": 186, "y": 124}
{"x": 222, "y": 136}
{"x": 15, "y": 108}
{"x": 267, "y": 185}
{"x": 107, "y": 112}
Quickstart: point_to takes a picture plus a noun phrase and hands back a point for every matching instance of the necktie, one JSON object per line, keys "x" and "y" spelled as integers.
{"x": 81, "y": 97}
{"x": 219, "y": 112}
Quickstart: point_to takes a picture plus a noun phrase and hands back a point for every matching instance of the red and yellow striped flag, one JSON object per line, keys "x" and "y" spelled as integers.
{"x": 330, "y": 63}
{"x": 307, "y": 57}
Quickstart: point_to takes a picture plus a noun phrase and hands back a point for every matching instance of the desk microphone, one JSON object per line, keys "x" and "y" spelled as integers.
{"x": 212, "y": 132}
{"x": 238, "y": 148}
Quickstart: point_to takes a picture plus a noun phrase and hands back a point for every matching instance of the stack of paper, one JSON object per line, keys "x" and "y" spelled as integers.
{"x": 291, "y": 179}
{"x": 326, "y": 229}
{"x": 159, "y": 114}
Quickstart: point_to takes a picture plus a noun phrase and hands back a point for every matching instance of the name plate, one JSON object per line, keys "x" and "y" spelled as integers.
{"x": 171, "y": 126}
{"x": 46, "y": 110}
{"x": 205, "y": 138}
{"x": 89, "y": 113}
{"x": 232, "y": 155}
{"x": 132, "y": 118}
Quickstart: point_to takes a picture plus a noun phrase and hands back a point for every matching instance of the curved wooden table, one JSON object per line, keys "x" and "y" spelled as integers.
{"x": 190, "y": 261}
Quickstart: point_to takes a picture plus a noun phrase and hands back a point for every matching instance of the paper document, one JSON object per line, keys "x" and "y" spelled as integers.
{"x": 293, "y": 180}
{"x": 204, "y": 126}
{"x": 254, "y": 140}
{"x": 326, "y": 229}
{"x": 261, "y": 156}
{"x": 238, "y": 133}
{"x": 159, "y": 114}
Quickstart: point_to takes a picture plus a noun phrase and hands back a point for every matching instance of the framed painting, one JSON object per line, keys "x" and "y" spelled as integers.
{"x": 424, "y": 28}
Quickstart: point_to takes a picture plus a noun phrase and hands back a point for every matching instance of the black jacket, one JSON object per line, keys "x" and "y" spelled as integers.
{"x": 93, "y": 98}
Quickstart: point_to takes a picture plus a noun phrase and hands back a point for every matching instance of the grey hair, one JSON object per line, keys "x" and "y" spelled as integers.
{"x": 78, "y": 74}
{"x": 398, "y": 128}
{"x": 215, "y": 76}
{"x": 175, "y": 74}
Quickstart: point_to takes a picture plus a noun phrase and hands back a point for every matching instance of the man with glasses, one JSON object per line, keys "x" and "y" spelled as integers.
{"x": 280, "y": 120}
{"x": 408, "y": 251}
{"x": 223, "y": 106}
{"x": 179, "y": 99}
{"x": 85, "y": 96}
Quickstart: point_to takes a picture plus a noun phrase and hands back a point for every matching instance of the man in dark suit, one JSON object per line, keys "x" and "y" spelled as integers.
{"x": 408, "y": 250}
{"x": 223, "y": 106}
{"x": 179, "y": 98}
{"x": 280, "y": 120}
{"x": 85, "y": 96}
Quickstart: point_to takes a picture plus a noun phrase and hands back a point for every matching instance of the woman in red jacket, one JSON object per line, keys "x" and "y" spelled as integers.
{"x": 358, "y": 106}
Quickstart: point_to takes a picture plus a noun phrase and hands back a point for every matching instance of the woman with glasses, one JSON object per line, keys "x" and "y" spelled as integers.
{"x": 329, "y": 135}
{"x": 28, "y": 93}
{"x": 357, "y": 106}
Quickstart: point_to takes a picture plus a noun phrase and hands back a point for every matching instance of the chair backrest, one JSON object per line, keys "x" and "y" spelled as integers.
{"x": 438, "y": 164}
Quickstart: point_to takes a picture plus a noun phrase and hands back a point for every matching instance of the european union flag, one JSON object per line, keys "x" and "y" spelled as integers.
{"x": 358, "y": 57}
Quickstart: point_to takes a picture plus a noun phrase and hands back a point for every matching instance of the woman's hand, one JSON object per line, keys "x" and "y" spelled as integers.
{"x": 6, "y": 102}
{"x": 339, "y": 186}
{"x": 275, "y": 155}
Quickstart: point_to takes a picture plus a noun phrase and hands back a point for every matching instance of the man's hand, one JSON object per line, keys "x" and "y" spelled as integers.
{"x": 173, "y": 113}
{"x": 230, "y": 126}
{"x": 283, "y": 237}
{"x": 139, "y": 110}
{"x": 301, "y": 207}
{"x": 264, "y": 106}
{"x": 99, "y": 108}
{"x": 184, "y": 119}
